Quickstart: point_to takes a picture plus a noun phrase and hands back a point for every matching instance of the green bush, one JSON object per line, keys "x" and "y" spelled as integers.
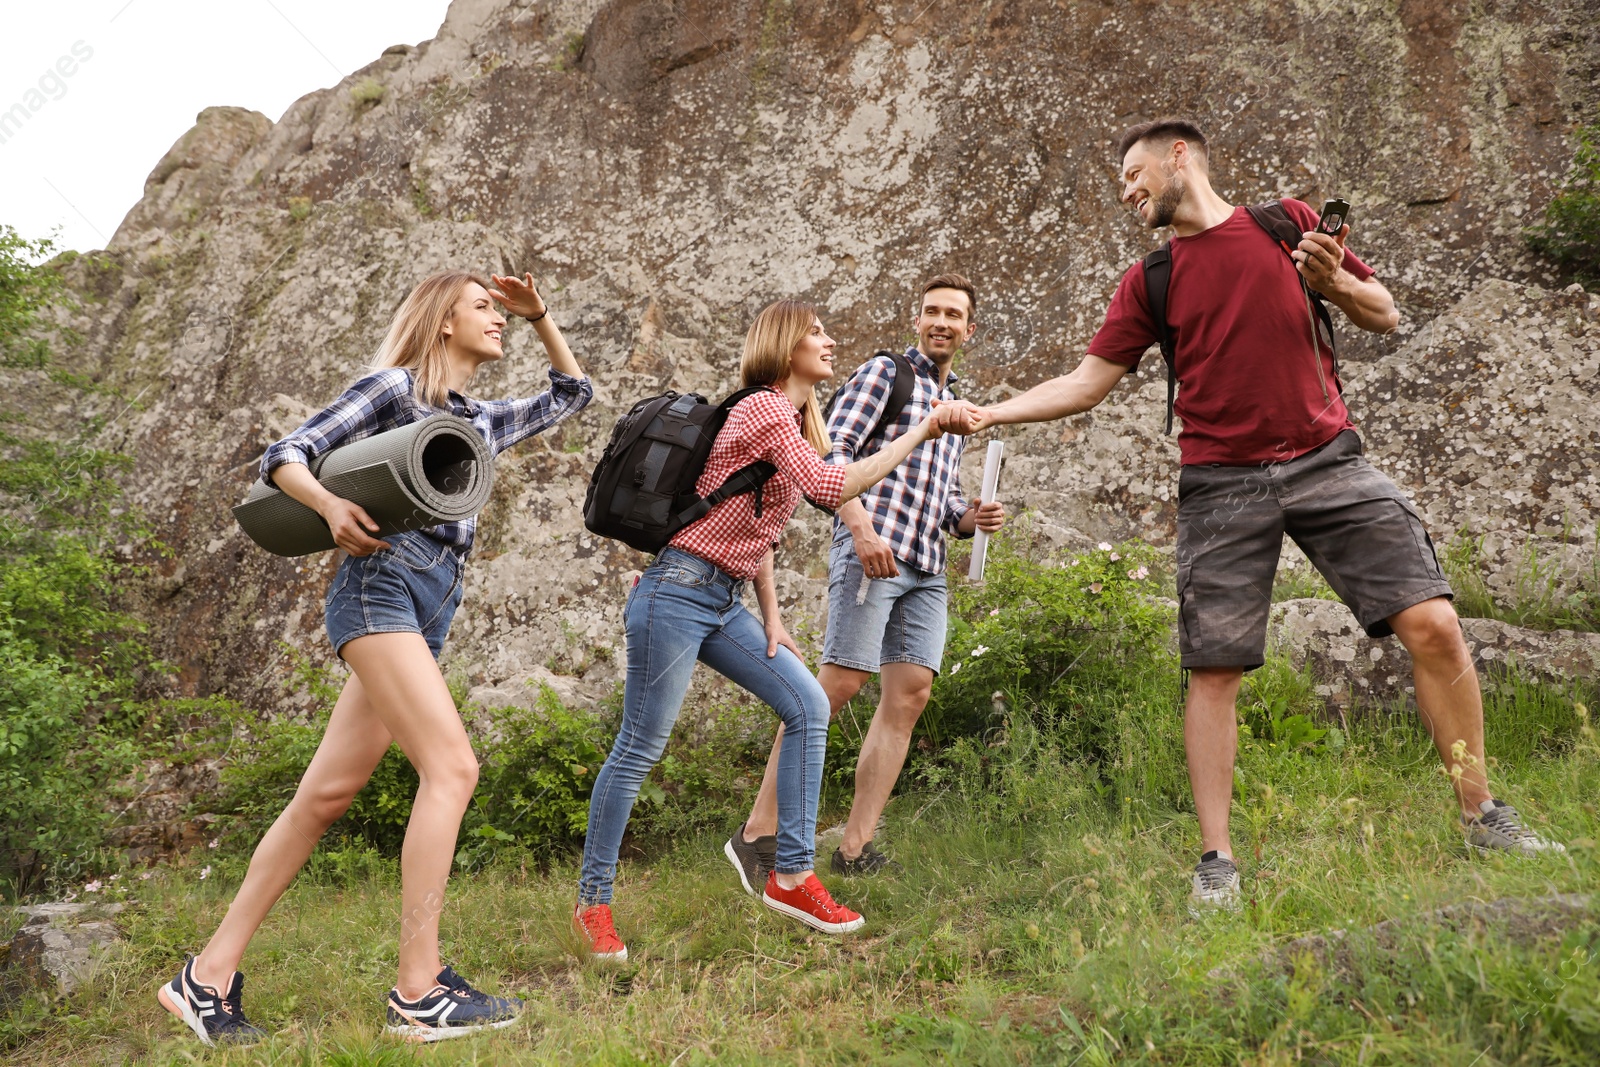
{"x": 1045, "y": 636}
{"x": 534, "y": 780}
{"x": 68, "y": 657}
{"x": 1570, "y": 232}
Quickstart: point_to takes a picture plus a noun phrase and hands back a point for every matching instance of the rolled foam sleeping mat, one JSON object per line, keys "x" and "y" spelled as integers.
{"x": 434, "y": 471}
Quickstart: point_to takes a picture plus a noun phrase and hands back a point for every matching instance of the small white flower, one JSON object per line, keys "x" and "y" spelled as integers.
{"x": 1104, "y": 546}
{"x": 955, "y": 670}
{"x": 205, "y": 872}
{"x": 980, "y": 650}
{"x": 1074, "y": 563}
{"x": 145, "y": 876}
{"x": 214, "y": 843}
{"x": 1115, "y": 556}
{"x": 92, "y": 887}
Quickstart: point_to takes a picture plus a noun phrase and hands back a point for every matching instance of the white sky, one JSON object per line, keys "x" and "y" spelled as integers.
{"x": 79, "y": 162}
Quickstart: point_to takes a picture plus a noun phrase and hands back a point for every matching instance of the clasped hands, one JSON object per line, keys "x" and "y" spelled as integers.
{"x": 959, "y": 417}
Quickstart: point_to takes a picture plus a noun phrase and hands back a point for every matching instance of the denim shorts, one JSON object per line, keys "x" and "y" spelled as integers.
{"x": 887, "y": 620}
{"x": 1352, "y": 522}
{"x": 413, "y": 586}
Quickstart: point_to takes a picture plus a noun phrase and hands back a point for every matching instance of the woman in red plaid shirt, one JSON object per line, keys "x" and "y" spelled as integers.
{"x": 688, "y": 605}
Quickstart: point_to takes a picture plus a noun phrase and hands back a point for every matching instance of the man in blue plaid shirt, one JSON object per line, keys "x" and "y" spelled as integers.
{"x": 886, "y": 589}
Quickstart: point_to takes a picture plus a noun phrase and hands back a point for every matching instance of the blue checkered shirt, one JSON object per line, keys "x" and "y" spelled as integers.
{"x": 921, "y": 499}
{"x": 384, "y": 400}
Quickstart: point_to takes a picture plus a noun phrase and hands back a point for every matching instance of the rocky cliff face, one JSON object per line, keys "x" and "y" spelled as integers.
{"x": 669, "y": 167}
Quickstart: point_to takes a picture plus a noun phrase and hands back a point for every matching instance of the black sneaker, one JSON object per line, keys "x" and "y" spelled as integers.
{"x": 215, "y": 1020}
{"x": 450, "y": 1009}
{"x": 753, "y": 860}
{"x": 871, "y": 861}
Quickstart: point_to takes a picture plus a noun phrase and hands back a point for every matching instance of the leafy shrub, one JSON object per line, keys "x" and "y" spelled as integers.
{"x": 1570, "y": 233}
{"x": 1044, "y": 635}
{"x": 535, "y": 779}
{"x": 68, "y": 656}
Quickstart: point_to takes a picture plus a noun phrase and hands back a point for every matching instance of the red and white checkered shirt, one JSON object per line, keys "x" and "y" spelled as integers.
{"x": 763, "y": 426}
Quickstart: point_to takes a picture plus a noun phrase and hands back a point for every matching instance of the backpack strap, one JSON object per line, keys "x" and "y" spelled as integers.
{"x": 1157, "y": 275}
{"x": 904, "y": 384}
{"x": 751, "y": 478}
{"x": 1274, "y": 218}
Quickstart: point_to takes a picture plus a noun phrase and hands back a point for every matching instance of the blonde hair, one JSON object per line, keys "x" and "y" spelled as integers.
{"x": 415, "y": 341}
{"x": 771, "y": 339}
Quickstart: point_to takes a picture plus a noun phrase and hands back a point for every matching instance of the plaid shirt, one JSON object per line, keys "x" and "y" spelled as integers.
{"x": 383, "y": 401}
{"x": 765, "y": 426}
{"x": 921, "y": 497}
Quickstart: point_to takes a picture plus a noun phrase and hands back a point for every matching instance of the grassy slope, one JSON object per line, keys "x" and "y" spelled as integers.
{"x": 1035, "y": 921}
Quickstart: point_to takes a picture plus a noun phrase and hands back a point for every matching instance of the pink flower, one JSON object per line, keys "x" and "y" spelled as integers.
{"x": 1104, "y": 546}
{"x": 92, "y": 887}
{"x": 1139, "y": 573}
{"x": 1094, "y": 587}
{"x": 1074, "y": 563}
{"x": 214, "y": 843}
{"x": 993, "y": 613}
{"x": 1115, "y": 556}
{"x": 205, "y": 872}
{"x": 145, "y": 876}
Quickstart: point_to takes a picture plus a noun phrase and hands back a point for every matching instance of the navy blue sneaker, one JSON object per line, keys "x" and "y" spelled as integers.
{"x": 450, "y": 1009}
{"x": 215, "y": 1019}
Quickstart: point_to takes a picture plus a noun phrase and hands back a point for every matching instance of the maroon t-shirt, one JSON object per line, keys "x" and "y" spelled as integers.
{"x": 1251, "y": 379}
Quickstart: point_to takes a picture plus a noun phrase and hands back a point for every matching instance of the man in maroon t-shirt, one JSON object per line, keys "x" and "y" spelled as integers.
{"x": 1267, "y": 449}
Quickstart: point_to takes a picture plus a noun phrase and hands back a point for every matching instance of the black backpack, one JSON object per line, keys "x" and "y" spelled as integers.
{"x": 1272, "y": 218}
{"x": 642, "y": 490}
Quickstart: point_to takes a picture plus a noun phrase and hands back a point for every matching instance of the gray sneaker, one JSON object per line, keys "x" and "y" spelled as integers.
{"x": 1500, "y": 829}
{"x": 753, "y": 860}
{"x": 1216, "y": 885}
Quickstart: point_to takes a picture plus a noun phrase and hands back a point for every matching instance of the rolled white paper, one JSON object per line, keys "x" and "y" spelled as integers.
{"x": 991, "y": 486}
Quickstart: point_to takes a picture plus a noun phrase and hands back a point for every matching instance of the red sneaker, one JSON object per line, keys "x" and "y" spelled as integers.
{"x": 810, "y": 903}
{"x": 595, "y": 924}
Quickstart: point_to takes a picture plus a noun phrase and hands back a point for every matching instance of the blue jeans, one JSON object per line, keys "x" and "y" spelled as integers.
{"x": 684, "y": 609}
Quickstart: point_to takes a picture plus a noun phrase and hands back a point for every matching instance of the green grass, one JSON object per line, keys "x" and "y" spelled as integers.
{"x": 1039, "y": 917}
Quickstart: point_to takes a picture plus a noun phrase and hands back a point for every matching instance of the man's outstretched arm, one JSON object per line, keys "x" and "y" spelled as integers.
{"x": 1057, "y": 398}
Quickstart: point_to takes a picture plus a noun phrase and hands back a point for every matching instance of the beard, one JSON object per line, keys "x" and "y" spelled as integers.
{"x": 1164, "y": 206}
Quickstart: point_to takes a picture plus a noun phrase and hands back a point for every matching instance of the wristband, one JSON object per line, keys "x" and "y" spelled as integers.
{"x": 542, "y": 314}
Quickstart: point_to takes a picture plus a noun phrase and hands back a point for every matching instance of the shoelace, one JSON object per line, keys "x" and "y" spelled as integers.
{"x": 1215, "y": 874}
{"x": 597, "y": 922}
{"x": 819, "y": 893}
{"x": 1505, "y": 820}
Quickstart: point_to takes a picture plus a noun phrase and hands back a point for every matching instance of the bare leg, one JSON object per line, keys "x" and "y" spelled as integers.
{"x": 841, "y": 684}
{"x": 408, "y": 693}
{"x": 906, "y": 688}
{"x": 355, "y": 741}
{"x": 1210, "y": 740}
{"x": 1448, "y": 698}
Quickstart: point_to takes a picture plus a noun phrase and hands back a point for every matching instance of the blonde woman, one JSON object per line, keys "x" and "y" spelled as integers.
{"x": 688, "y": 605}
{"x": 387, "y": 614}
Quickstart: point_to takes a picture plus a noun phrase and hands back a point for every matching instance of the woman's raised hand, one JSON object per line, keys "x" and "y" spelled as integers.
{"x": 518, "y": 295}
